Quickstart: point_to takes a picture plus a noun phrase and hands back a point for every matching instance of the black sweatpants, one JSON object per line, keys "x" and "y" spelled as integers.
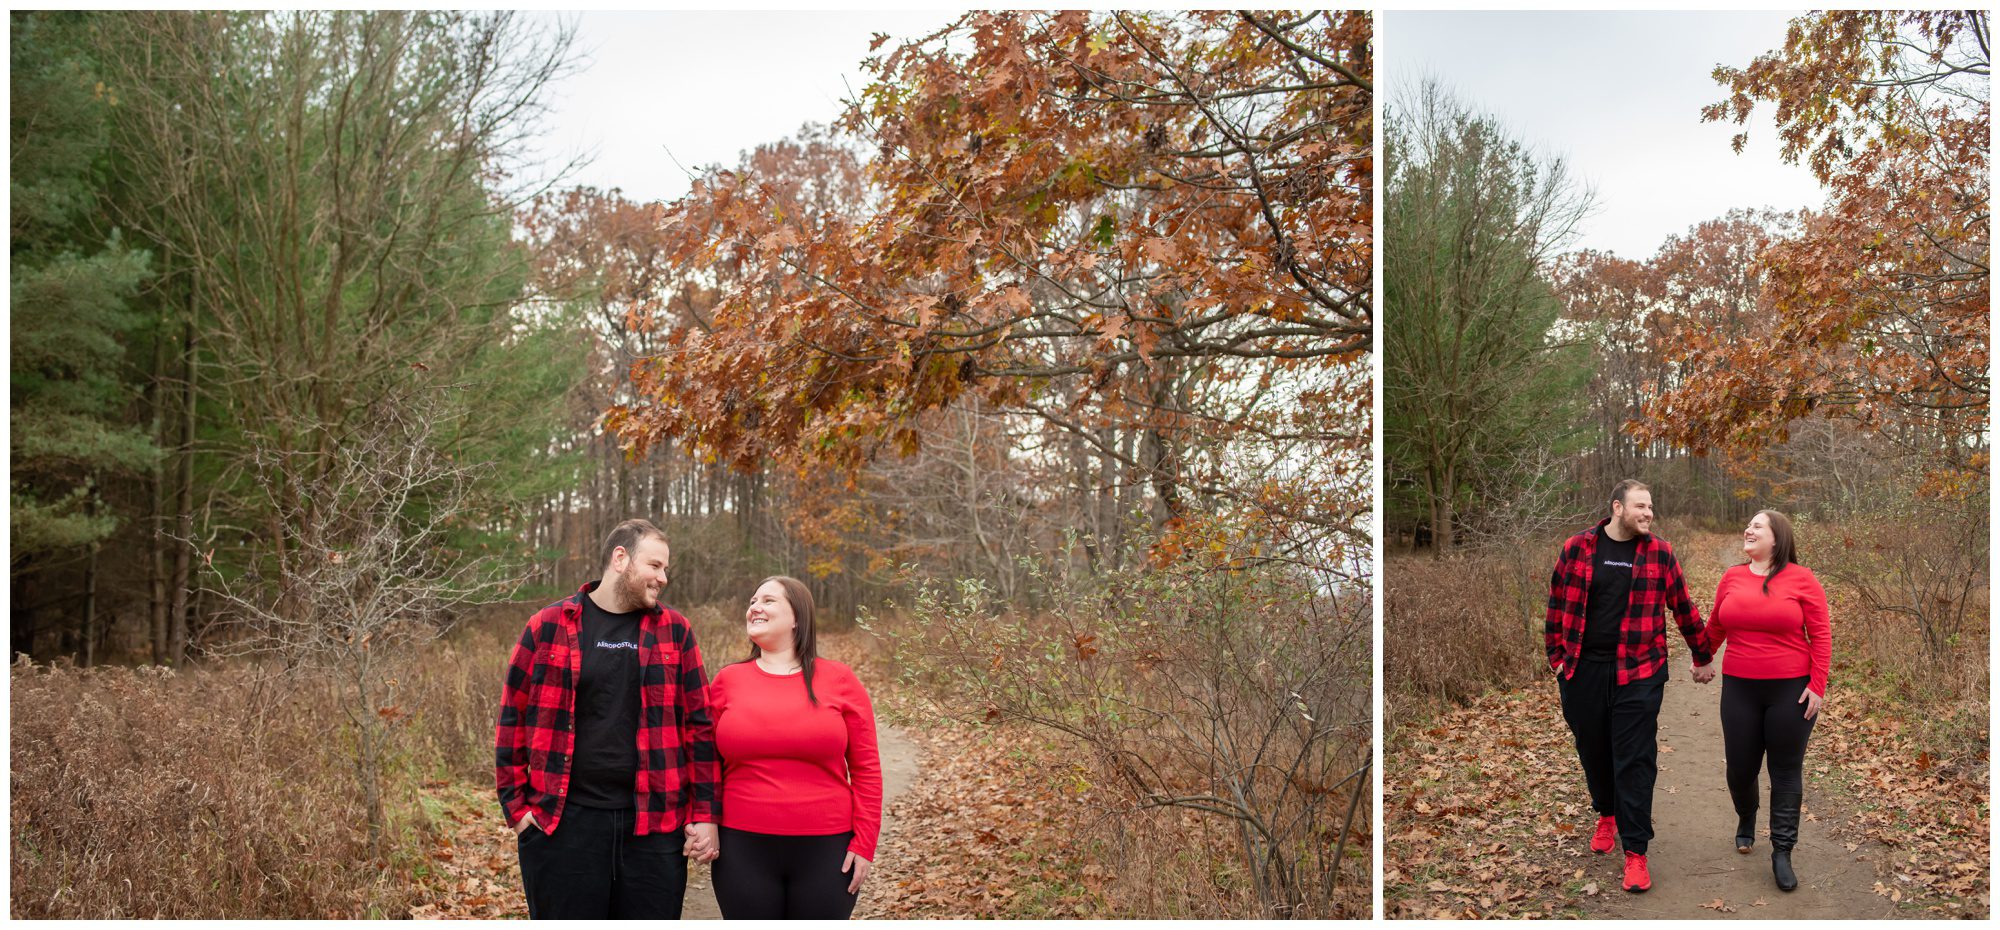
{"x": 593, "y": 868}
{"x": 760, "y": 875}
{"x": 1763, "y": 719}
{"x": 1615, "y": 727}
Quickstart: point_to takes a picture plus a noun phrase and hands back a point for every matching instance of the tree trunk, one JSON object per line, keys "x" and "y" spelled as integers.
{"x": 1442, "y": 535}
{"x": 1166, "y": 463}
{"x": 369, "y": 736}
{"x": 90, "y": 608}
{"x": 156, "y": 485}
{"x": 177, "y": 613}
{"x": 1116, "y": 493}
{"x": 21, "y": 632}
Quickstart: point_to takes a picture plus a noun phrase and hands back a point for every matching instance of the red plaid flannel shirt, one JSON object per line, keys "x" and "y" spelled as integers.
{"x": 679, "y": 773}
{"x": 1657, "y": 586}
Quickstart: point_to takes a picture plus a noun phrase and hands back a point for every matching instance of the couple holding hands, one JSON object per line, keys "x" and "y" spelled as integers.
{"x": 617, "y": 759}
{"x": 1607, "y": 642}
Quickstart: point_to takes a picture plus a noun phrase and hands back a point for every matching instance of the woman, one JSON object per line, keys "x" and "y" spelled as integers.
{"x": 1772, "y": 612}
{"x": 801, "y": 778}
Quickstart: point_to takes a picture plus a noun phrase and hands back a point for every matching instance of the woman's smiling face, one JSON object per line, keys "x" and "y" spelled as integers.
{"x": 769, "y": 620}
{"x": 1757, "y": 538}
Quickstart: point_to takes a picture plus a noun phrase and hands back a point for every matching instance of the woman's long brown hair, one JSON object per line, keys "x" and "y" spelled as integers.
{"x": 1783, "y": 551}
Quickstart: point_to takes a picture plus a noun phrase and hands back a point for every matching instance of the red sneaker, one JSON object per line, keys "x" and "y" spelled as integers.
{"x": 1607, "y": 835}
{"x": 1637, "y": 878}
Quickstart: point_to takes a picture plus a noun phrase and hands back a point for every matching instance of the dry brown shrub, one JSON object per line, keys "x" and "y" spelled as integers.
{"x": 453, "y": 700}
{"x": 1451, "y": 631}
{"x": 146, "y": 793}
{"x": 1219, "y": 711}
{"x": 1918, "y": 594}
{"x": 1958, "y": 677}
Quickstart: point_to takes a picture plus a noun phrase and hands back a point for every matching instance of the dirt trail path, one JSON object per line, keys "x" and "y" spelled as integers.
{"x": 1693, "y": 856}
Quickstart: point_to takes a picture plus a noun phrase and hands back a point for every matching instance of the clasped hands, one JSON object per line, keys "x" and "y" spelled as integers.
{"x": 1704, "y": 673}
{"x": 701, "y": 845}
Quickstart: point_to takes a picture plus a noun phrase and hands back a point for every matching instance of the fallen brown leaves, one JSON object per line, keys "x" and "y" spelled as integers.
{"x": 982, "y": 834}
{"x": 1498, "y": 768}
{"x": 470, "y": 870}
{"x": 1933, "y": 817}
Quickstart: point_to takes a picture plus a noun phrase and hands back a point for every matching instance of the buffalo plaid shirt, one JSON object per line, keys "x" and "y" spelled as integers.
{"x": 1657, "y": 586}
{"x": 679, "y": 772}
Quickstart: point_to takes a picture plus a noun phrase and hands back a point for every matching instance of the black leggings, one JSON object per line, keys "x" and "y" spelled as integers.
{"x": 759, "y": 875}
{"x": 1762, "y": 717}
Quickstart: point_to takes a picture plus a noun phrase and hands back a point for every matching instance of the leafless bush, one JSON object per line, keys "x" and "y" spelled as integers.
{"x": 1233, "y": 689}
{"x": 1527, "y": 505}
{"x": 1526, "y": 499}
{"x": 366, "y": 571}
{"x": 1920, "y": 568}
{"x": 1915, "y": 559}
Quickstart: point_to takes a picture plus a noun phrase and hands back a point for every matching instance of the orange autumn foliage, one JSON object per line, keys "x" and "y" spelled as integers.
{"x": 1147, "y": 222}
{"x": 1877, "y": 310}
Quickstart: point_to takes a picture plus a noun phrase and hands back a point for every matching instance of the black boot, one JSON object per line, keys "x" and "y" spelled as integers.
{"x": 1784, "y": 835}
{"x": 1746, "y": 831}
{"x": 1745, "y": 801}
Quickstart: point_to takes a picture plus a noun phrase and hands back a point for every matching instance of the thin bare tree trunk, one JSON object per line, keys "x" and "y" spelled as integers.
{"x": 90, "y": 608}
{"x": 156, "y": 486}
{"x": 177, "y": 612}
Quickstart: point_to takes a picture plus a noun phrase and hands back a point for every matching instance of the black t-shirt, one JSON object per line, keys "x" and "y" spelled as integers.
{"x": 1610, "y": 596}
{"x": 606, "y": 765}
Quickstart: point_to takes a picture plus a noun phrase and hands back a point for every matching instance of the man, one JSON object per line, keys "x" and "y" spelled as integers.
{"x": 605, "y": 749}
{"x": 1607, "y": 640}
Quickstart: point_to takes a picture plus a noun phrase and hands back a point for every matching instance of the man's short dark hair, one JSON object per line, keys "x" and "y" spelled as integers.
{"x": 627, "y": 536}
{"x": 1618, "y": 493}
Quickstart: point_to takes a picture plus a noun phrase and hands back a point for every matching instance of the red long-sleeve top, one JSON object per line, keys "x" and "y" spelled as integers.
{"x": 1787, "y": 633}
{"x": 790, "y": 768}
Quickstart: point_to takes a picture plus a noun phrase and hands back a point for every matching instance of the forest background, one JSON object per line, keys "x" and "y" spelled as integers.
{"x": 1045, "y": 362}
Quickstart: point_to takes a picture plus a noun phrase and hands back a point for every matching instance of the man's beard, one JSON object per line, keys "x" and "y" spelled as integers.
{"x": 632, "y": 590}
{"x": 1631, "y": 525}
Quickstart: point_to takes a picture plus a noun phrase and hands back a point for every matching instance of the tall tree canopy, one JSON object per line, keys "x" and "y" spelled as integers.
{"x": 71, "y": 302}
{"x": 1880, "y": 305}
{"x": 1480, "y": 385}
{"x": 1125, "y": 225}
{"x": 326, "y": 201}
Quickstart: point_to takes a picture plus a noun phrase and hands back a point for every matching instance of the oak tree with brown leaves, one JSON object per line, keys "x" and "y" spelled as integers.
{"x": 1124, "y": 225}
{"x": 1879, "y": 308}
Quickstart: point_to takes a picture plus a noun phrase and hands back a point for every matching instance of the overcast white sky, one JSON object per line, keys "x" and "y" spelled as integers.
{"x": 705, "y": 86}
{"x": 1618, "y": 94}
